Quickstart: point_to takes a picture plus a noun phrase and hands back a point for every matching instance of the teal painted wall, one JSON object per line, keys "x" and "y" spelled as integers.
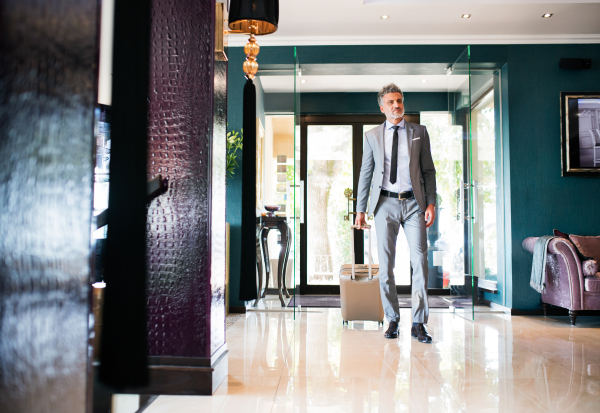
{"x": 537, "y": 198}
{"x": 351, "y": 103}
{"x": 540, "y": 198}
{"x": 376, "y": 54}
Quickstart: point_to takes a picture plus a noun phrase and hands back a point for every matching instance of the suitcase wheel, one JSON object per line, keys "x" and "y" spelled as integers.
{"x": 380, "y": 323}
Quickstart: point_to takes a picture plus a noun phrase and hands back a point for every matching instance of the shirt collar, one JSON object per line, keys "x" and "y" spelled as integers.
{"x": 388, "y": 124}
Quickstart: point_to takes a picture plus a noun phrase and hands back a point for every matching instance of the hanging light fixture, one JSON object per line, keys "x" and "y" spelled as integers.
{"x": 256, "y": 18}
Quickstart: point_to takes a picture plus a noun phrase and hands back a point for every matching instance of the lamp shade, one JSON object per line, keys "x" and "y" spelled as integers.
{"x": 254, "y": 16}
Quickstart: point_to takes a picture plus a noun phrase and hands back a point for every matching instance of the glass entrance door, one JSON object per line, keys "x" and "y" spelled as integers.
{"x": 474, "y": 113}
{"x": 329, "y": 173}
{"x": 460, "y": 282}
{"x": 331, "y": 152}
{"x": 466, "y": 148}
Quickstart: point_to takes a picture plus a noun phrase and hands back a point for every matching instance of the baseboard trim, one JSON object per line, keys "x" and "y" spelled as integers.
{"x": 173, "y": 376}
{"x": 237, "y": 309}
{"x": 511, "y": 311}
{"x": 188, "y": 361}
{"x": 552, "y": 310}
{"x": 496, "y": 306}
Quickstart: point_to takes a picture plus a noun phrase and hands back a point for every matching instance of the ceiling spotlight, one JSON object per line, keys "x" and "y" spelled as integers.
{"x": 424, "y": 81}
{"x": 303, "y": 81}
{"x": 385, "y": 17}
{"x": 546, "y": 15}
{"x": 466, "y": 16}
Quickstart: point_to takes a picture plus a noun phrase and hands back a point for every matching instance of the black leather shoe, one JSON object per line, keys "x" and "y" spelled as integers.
{"x": 420, "y": 333}
{"x": 392, "y": 331}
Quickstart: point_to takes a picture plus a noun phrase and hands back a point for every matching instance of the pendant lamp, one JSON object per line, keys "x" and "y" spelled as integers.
{"x": 256, "y": 18}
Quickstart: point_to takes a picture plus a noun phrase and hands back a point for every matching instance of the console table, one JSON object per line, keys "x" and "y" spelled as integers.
{"x": 263, "y": 225}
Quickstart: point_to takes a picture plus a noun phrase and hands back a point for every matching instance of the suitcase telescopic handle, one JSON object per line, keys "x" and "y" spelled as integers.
{"x": 368, "y": 228}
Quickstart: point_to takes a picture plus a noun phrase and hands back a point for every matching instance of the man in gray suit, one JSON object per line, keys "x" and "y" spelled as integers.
{"x": 398, "y": 169}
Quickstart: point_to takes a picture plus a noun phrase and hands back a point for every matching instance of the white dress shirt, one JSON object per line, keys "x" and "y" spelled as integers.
{"x": 403, "y": 182}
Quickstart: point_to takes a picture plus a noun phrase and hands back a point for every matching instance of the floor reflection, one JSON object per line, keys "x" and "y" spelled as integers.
{"x": 496, "y": 364}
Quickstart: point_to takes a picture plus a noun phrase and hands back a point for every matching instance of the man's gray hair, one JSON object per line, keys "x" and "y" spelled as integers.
{"x": 391, "y": 88}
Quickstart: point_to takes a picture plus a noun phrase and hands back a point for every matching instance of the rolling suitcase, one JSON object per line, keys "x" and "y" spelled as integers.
{"x": 359, "y": 288}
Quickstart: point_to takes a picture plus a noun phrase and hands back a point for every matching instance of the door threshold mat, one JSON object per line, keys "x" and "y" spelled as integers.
{"x": 404, "y": 301}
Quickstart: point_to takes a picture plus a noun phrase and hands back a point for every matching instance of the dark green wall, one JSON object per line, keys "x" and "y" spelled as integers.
{"x": 537, "y": 198}
{"x": 540, "y": 198}
{"x": 351, "y": 103}
{"x": 236, "y": 81}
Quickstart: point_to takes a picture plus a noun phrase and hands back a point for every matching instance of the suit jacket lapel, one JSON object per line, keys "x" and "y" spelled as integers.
{"x": 381, "y": 142}
{"x": 409, "y": 137}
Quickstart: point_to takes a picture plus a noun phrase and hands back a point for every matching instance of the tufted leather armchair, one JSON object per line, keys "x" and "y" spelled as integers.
{"x": 566, "y": 285}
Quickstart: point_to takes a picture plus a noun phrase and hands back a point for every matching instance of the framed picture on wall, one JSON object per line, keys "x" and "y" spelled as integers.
{"x": 580, "y": 137}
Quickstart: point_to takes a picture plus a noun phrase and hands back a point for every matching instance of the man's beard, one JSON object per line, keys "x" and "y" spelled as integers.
{"x": 396, "y": 115}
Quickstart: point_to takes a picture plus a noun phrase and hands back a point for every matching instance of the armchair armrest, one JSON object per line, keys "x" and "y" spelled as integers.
{"x": 529, "y": 243}
{"x": 564, "y": 276}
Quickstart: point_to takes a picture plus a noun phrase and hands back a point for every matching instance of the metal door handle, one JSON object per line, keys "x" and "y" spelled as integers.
{"x": 302, "y": 202}
{"x": 475, "y": 202}
{"x": 461, "y": 200}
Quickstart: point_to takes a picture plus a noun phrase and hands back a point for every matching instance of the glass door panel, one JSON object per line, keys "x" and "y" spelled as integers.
{"x": 298, "y": 192}
{"x": 445, "y": 238}
{"x": 329, "y": 172}
{"x": 278, "y": 163}
{"x": 460, "y": 280}
{"x": 485, "y": 253}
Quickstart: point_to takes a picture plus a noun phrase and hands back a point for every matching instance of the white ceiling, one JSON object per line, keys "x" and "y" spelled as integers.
{"x": 332, "y": 22}
{"x": 360, "y": 83}
{"x": 404, "y": 2}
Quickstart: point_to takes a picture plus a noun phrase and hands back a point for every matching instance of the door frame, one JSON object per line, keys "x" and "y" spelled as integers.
{"x": 357, "y": 122}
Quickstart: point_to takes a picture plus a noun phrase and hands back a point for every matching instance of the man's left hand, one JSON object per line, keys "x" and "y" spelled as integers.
{"x": 429, "y": 215}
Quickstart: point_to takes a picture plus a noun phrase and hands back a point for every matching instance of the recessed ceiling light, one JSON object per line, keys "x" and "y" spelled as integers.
{"x": 424, "y": 80}
{"x": 466, "y": 16}
{"x": 303, "y": 81}
{"x": 385, "y": 16}
{"x": 546, "y": 15}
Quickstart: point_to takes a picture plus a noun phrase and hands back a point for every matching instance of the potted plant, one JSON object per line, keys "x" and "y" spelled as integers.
{"x": 234, "y": 143}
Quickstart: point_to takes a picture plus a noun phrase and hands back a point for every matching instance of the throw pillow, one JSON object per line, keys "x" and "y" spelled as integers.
{"x": 590, "y": 268}
{"x": 587, "y": 246}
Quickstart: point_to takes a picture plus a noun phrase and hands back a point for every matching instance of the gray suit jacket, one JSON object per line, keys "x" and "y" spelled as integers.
{"x": 422, "y": 170}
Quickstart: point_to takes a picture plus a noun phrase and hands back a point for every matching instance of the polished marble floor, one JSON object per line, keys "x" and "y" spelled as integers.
{"x": 498, "y": 363}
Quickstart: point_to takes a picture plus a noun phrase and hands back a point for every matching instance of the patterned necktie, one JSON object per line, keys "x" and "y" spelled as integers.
{"x": 394, "y": 166}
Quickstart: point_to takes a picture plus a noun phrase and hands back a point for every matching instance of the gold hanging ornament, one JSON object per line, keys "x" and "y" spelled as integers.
{"x": 251, "y": 49}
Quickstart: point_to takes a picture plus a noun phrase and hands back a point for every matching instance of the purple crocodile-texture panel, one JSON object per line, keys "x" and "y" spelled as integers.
{"x": 180, "y": 123}
{"x": 47, "y": 96}
{"x": 218, "y": 223}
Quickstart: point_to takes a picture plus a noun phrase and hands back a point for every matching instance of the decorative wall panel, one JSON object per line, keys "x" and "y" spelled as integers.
{"x": 180, "y": 132}
{"x": 47, "y": 96}
{"x": 218, "y": 223}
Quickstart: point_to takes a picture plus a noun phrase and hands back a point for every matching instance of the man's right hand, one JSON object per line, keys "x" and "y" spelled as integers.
{"x": 361, "y": 220}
